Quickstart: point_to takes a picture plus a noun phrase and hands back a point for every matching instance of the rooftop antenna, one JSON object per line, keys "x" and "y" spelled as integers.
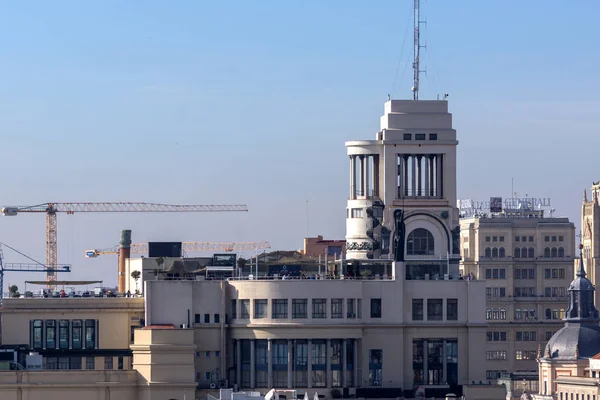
{"x": 417, "y": 39}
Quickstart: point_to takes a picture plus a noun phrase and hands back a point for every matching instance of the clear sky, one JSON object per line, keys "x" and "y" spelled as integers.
{"x": 251, "y": 102}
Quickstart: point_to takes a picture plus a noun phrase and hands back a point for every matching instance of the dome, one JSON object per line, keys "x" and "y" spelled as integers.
{"x": 574, "y": 338}
{"x": 581, "y": 283}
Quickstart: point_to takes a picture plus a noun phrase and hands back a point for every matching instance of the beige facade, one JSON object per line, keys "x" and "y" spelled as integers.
{"x": 74, "y": 333}
{"x": 526, "y": 261}
{"x": 317, "y": 246}
{"x": 336, "y": 333}
{"x": 590, "y": 230}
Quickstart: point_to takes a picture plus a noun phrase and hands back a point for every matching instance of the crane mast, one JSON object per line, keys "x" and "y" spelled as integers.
{"x": 100, "y": 207}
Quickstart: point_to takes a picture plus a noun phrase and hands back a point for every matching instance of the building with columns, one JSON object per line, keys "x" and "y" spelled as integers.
{"x": 590, "y": 231}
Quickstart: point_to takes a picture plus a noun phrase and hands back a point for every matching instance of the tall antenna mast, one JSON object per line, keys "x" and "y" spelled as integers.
{"x": 417, "y": 39}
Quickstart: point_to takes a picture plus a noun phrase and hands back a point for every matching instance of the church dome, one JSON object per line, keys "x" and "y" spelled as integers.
{"x": 580, "y": 337}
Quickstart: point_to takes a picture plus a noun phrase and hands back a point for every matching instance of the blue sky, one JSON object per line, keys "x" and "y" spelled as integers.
{"x": 251, "y": 102}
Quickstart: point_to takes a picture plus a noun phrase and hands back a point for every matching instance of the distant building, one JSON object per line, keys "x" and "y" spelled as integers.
{"x": 318, "y": 246}
{"x": 526, "y": 260}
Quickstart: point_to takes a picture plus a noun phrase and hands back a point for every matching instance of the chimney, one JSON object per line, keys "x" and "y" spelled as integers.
{"x": 124, "y": 253}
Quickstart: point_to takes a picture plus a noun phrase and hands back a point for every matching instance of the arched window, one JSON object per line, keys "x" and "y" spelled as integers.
{"x": 525, "y": 314}
{"x": 547, "y": 252}
{"x": 562, "y": 313}
{"x": 531, "y": 252}
{"x": 501, "y": 253}
{"x": 495, "y": 252}
{"x": 524, "y": 252}
{"x": 554, "y": 253}
{"x": 555, "y": 314}
{"x": 496, "y": 314}
{"x": 502, "y": 313}
{"x": 518, "y": 313}
{"x": 532, "y": 313}
{"x": 488, "y": 252}
{"x": 548, "y": 313}
{"x": 419, "y": 242}
{"x": 488, "y": 313}
{"x": 517, "y": 253}
{"x": 561, "y": 252}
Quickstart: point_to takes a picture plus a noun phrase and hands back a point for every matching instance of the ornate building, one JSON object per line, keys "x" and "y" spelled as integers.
{"x": 564, "y": 365}
{"x": 590, "y": 226}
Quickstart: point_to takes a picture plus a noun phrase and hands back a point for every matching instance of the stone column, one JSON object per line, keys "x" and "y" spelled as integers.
{"x": 425, "y": 363}
{"x": 270, "y": 365}
{"x": 290, "y": 364}
{"x": 405, "y": 160}
{"x": 419, "y": 176}
{"x": 367, "y": 176}
{"x": 328, "y": 368}
{"x": 352, "y": 177}
{"x": 440, "y": 175}
{"x": 361, "y": 190}
{"x": 413, "y": 160}
{"x": 431, "y": 175}
{"x": 309, "y": 366}
{"x": 444, "y": 363}
{"x": 252, "y": 363}
{"x": 426, "y": 175}
{"x": 376, "y": 175}
{"x": 238, "y": 363}
{"x": 355, "y": 363}
{"x": 344, "y": 362}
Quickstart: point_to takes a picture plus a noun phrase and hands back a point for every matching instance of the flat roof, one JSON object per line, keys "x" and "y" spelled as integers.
{"x": 76, "y": 283}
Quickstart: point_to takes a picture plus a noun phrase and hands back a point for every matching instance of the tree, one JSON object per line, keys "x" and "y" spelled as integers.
{"x": 159, "y": 262}
{"x": 241, "y": 262}
{"x": 14, "y": 291}
{"x": 136, "y": 277}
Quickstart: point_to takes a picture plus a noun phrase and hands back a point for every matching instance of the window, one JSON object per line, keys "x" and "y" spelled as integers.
{"x": 554, "y": 238}
{"x": 217, "y": 318}
{"x": 319, "y": 308}
{"x": 90, "y": 363}
{"x": 523, "y": 238}
{"x": 531, "y": 253}
{"x": 501, "y": 253}
{"x": 496, "y": 336}
{"x": 417, "y": 309}
{"x": 350, "y": 310}
{"x": 554, "y": 252}
{"x": 375, "y": 308}
{"x": 356, "y": 213}
{"x": 517, "y": 253}
{"x": 420, "y": 242}
{"x": 207, "y": 376}
{"x": 501, "y": 239}
{"x": 76, "y": 331}
{"x": 280, "y": 308}
{"x": 108, "y": 362}
{"x": 547, "y": 273}
{"x": 525, "y": 355}
{"x": 549, "y": 335}
{"x": 433, "y": 136}
{"x": 495, "y": 355}
{"x": 245, "y": 309}
{"x": 452, "y": 309}
{"x": 494, "y": 252}
{"x": 488, "y": 238}
{"x": 120, "y": 362}
{"x": 561, "y": 252}
{"x": 375, "y": 367}
{"x": 260, "y": 308}
{"x": 50, "y": 334}
{"x": 37, "y": 334}
{"x": 434, "y": 309}
{"x": 494, "y": 238}
{"x": 197, "y": 318}
{"x": 63, "y": 362}
{"x": 493, "y": 374}
{"x": 233, "y": 308}
{"x": 419, "y": 136}
{"x": 517, "y": 274}
{"x": 561, "y": 238}
{"x": 337, "y": 306}
{"x": 217, "y": 354}
{"x": 407, "y": 136}
{"x": 488, "y": 252}
{"x": 207, "y": 318}
{"x": 546, "y": 238}
{"x": 299, "y": 308}
{"x": 90, "y": 334}
{"x": 51, "y": 362}
{"x": 63, "y": 334}
{"x": 517, "y": 238}
{"x": 359, "y": 308}
{"x": 561, "y": 273}
{"x": 547, "y": 252}
{"x": 524, "y": 252}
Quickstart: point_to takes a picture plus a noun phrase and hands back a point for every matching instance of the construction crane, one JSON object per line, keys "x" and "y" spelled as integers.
{"x": 23, "y": 267}
{"x": 190, "y": 247}
{"x": 50, "y": 209}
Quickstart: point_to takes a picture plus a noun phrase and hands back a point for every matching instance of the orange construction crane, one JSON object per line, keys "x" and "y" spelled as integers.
{"x": 191, "y": 247}
{"x": 50, "y": 209}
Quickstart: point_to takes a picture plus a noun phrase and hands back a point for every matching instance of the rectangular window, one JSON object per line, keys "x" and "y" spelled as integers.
{"x": 554, "y": 238}
{"x": 359, "y": 308}
{"x": 547, "y": 273}
{"x": 519, "y": 336}
{"x": 531, "y": 238}
{"x": 217, "y": 354}
{"x": 561, "y": 273}
{"x": 417, "y": 309}
{"x": 50, "y": 334}
{"x": 523, "y": 238}
{"x": 531, "y": 273}
{"x": 488, "y": 273}
{"x": 245, "y": 309}
{"x": 108, "y": 362}
{"x": 546, "y": 238}
{"x": 63, "y": 334}
{"x": 407, "y": 136}
{"x": 554, "y": 273}
{"x": 375, "y": 308}
{"x": 207, "y": 318}
{"x": 350, "y": 310}
{"x": 120, "y": 362}
{"x": 90, "y": 363}
{"x": 233, "y": 308}
{"x": 217, "y": 318}
{"x": 207, "y": 376}
{"x": 501, "y": 239}
{"x": 495, "y": 355}
{"x": 433, "y": 136}
{"x": 434, "y": 309}
{"x": 337, "y": 306}
{"x": 502, "y": 292}
{"x": 356, "y": 213}
{"x": 517, "y": 238}
{"x": 488, "y": 292}
{"x": 197, "y": 319}
{"x": 487, "y": 238}
{"x": 299, "y": 308}
{"x": 63, "y": 362}
{"x": 494, "y": 238}
{"x": 280, "y": 308}
{"x": 375, "y": 367}
{"x": 207, "y": 354}
{"x": 90, "y": 334}
{"x": 503, "y": 336}
{"x": 502, "y": 273}
{"x": 76, "y": 334}
{"x": 419, "y": 136}
{"x": 452, "y": 309}
{"x": 561, "y": 238}
{"x": 319, "y": 308}
{"x": 38, "y": 327}
{"x": 495, "y": 273}
{"x": 51, "y": 362}
{"x": 260, "y": 308}
{"x": 517, "y": 273}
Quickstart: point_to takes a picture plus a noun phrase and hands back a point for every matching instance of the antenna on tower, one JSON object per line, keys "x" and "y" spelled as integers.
{"x": 417, "y": 38}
